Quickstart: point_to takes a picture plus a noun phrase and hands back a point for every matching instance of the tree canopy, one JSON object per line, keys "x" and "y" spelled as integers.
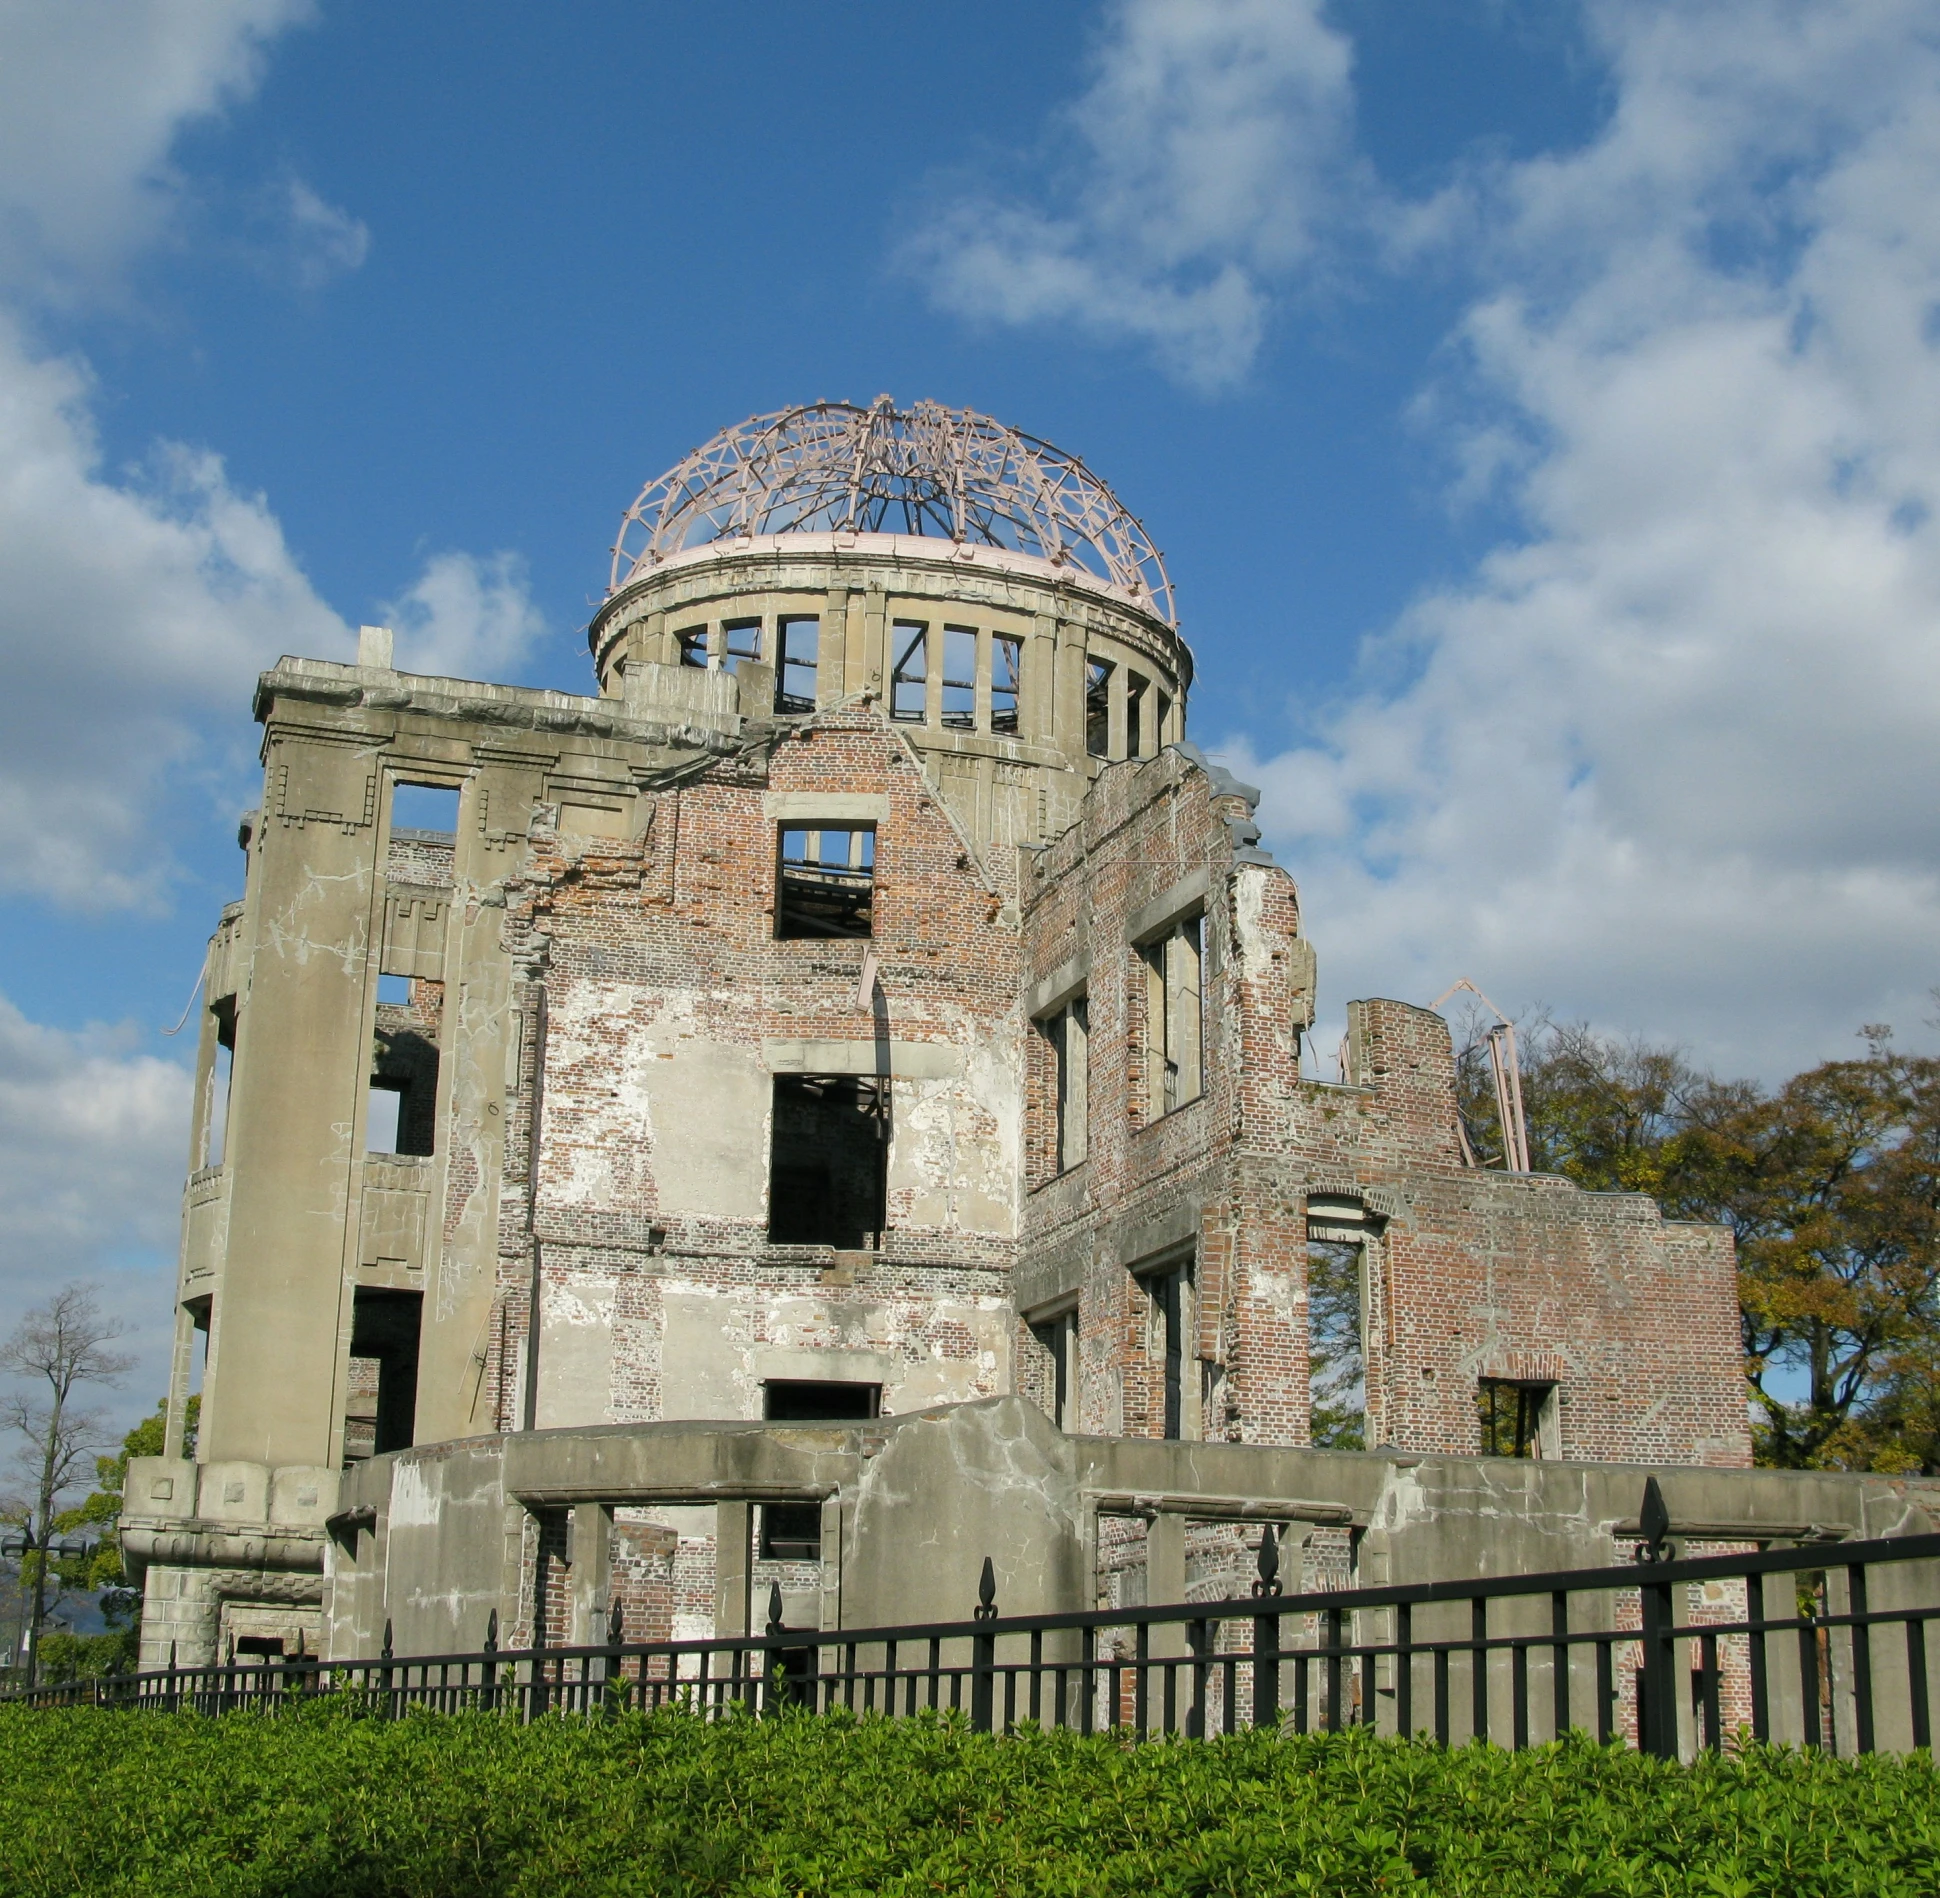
{"x": 1830, "y": 1184}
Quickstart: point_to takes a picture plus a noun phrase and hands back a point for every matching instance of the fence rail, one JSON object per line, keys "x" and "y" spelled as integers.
{"x": 1823, "y": 1646}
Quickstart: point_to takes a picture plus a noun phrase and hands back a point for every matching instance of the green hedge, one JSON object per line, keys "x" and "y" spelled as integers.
{"x": 326, "y": 1802}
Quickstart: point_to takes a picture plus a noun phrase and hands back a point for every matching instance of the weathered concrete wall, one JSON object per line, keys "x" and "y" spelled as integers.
{"x": 912, "y": 1506}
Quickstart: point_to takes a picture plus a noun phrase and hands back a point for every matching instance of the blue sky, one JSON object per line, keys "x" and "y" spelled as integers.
{"x": 1535, "y": 403}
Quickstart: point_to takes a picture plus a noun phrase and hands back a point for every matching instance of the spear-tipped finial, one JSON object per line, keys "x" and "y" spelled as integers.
{"x": 1267, "y": 1581}
{"x": 774, "y": 1607}
{"x": 615, "y": 1624}
{"x": 1654, "y": 1521}
{"x": 385, "y": 1650}
{"x": 987, "y": 1592}
{"x": 491, "y": 1632}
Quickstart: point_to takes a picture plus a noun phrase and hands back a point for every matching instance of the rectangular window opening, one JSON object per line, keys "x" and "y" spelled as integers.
{"x": 909, "y": 660}
{"x": 1171, "y": 1296}
{"x": 1135, "y": 691}
{"x": 959, "y": 678}
{"x": 1336, "y": 1363}
{"x": 1174, "y": 1017}
{"x": 1069, "y": 1032}
{"x": 382, "y": 1401}
{"x": 1006, "y": 682}
{"x": 394, "y": 990}
{"x": 426, "y": 807}
{"x": 215, "y": 1124}
{"x": 692, "y": 642}
{"x": 1059, "y": 1337}
{"x": 1514, "y": 1416}
{"x": 825, "y": 884}
{"x": 1161, "y": 712}
{"x": 401, "y": 1117}
{"x": 798, "y": 643}
{"x": 382, "y": 1120}
{"x": 740, "y": 639}
{"x": 828, "y": 1161}
{"x": 1098, "y": 707}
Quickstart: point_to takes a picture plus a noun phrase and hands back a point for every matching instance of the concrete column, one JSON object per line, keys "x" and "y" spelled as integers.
{"x": 592, "y": 1572}
{"x": 1118, "y": 745}
{"x": 981, "y": 715}
{"x": 832, "y": 649}
{"x": 733, "y": 1538}
{"x": 1037, "y": 701}
{"x": 1068, "y": 714}
{"x": 873, "y": 669}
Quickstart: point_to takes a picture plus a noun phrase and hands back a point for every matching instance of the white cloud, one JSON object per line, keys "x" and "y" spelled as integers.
{"x": 325, "y": 242}
{"x": 1196, "y": 172}
{"x": 92, "y": 95}
{"x": 1671, "y": 758}
{"x": 136, "y": 604}
{"x": 466, "y": 618}
{"x": 93, "y": 1135}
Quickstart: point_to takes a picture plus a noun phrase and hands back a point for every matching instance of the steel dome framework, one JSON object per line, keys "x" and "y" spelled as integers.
{"x": 833, "y": 467}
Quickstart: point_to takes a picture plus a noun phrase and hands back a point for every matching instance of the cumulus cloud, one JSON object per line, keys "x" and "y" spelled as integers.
{"x": 93, "y": 1135}
{"x": 1188, "y": 183}
{"x": 92, "y": 95}
{"x": 137, "y": 603}
{"x": 1669, "y": 757}
{"x": 466, "y": 617}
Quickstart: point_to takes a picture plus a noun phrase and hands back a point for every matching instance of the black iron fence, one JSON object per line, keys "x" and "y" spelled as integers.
{"x": 1823, "y": 1646}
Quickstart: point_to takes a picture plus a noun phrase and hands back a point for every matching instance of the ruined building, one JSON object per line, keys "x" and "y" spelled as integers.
{"x": 615, "y": 1113}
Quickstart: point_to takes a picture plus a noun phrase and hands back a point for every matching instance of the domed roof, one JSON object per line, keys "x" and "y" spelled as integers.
{"x": 832, "y": 467}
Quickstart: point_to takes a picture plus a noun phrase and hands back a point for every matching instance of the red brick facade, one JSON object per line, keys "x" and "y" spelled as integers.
{"x": 650, "y": 1232}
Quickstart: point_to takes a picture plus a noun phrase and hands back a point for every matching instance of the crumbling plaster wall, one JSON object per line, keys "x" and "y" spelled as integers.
{"x": 669, "y": 1006}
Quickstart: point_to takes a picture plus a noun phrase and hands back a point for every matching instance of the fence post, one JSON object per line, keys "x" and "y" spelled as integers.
{"x": 384, "y": 1673}
{"x": 1657, "y": 1715}
{"x": 614, "y": 1686}
{"x": 491, "y": 1661}
{"x": 1266, "y": 1635}
{"x": 983, "y": 1650}
{"x": 771, "y": 1653}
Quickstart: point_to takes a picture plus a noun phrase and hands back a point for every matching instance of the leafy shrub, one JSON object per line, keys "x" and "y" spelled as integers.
{"x": 325, "y": 1801}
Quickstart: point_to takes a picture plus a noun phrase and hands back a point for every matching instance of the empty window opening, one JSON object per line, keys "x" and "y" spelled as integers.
{"x": 740, "y": 639}
{"x": 1161, "y": 712}
{"x": 1171, "y": 1302}
{"x": 394, "y": 991}
{"x": 1336, "y": 1364}
{"x": 959, "y": 678}
{"x": 383, "y": 1396}
{"x": 798, "y": 646}
{"x": 826, "y": 882}
{"x": 381, "y": 1121}
{"x": 1006, "y": 681}
{"x": 1059, "y": 1337}
{"x": 828, "y": 1161}
{"x": 261, "y": 1648}
{"x": 1173, "y": 1017}
{"x": 815, "y": 1400}
{"x": 692, "y": 642}
{"x": 430, "y": 807}
{"x": 401, "y": 1117}
{"x": 1136, "y": 689}
{"x": 1098, "y": 707}
{"x": 222, "y": 1068}
{"x": 1069, "y": 1033}
{"x": 792, "y": 1532}
{"x": 909, "y": 648}
{"x": 1516, "y": 1418}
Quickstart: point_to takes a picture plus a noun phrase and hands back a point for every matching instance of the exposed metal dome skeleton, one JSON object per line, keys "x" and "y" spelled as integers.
{"x": 832, "y": 467}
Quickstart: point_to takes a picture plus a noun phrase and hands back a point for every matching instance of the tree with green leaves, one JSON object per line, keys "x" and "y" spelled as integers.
{"x": 1830, "y": 1185}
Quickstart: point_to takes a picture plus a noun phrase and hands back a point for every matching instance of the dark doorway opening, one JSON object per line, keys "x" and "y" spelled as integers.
{"x": 828, "y": 1162}
{"x": 384, "y": 1331}
{"x": 792, "y": 1532}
